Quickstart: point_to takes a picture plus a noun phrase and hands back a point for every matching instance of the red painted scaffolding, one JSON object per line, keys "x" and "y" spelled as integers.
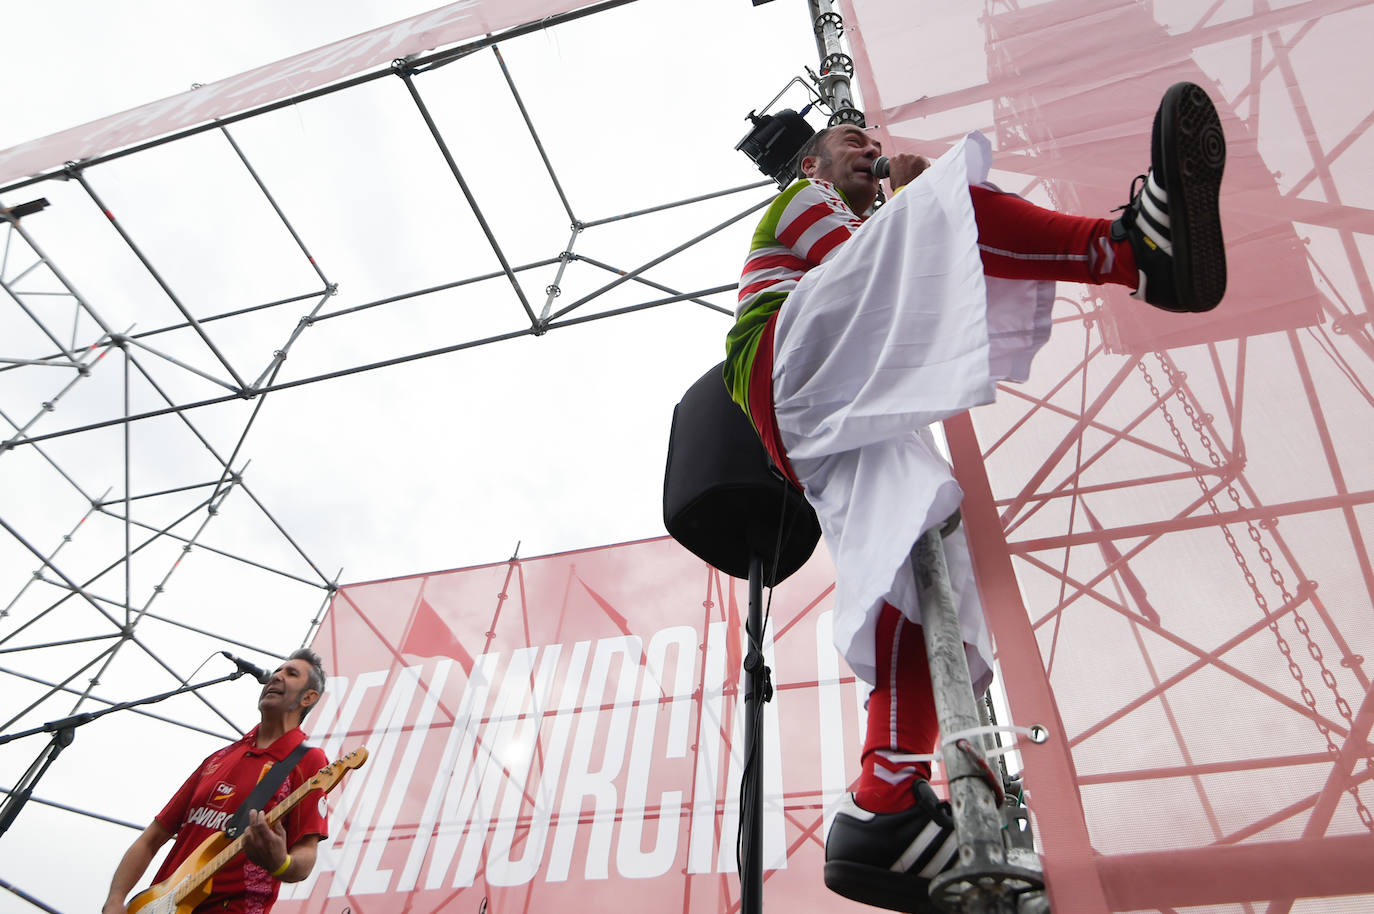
{"x": 1171, "y": 517}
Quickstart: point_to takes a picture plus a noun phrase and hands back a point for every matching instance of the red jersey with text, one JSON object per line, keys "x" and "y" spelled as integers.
{"x": 215, "y": 791}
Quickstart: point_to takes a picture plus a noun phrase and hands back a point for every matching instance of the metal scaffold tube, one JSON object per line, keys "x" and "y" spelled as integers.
{"x": 836, "y": 66}
{"x": 984, "y": 881}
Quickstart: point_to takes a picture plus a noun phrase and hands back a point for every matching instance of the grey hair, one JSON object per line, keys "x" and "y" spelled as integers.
{"x": 316, "y": 673}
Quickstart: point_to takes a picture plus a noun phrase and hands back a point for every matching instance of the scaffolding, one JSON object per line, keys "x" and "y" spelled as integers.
{"x": 135, "y": 386}
{"x": 1135, "y": 434}
{"x": 1174, "y": 512}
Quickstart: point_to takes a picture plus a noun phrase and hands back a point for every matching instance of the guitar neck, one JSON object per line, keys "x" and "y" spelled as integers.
{"x": 216, "y": 863}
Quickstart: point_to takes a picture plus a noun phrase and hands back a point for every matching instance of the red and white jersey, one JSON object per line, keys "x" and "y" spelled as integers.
{"x": 803, "y": 228}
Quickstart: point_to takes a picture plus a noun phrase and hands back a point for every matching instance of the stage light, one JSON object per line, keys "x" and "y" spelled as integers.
{"x": 774, "y": 142}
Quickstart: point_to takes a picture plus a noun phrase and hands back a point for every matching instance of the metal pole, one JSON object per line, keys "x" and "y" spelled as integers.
{"x": 553, "y": 290}
{"x": 63, "y": 732}
{"x": 25, "y": 896}
{"x": 534, "y": 135}
{"x": 836, "y": 66}
{"x": 56, "y": 687}
{"x": 982, "y": 882}
{"x": 404, "y": 71}
{"x": 756, "y": 691}
{"x": 664, "y": 206}
{"x": 277, "y": 209}
{"x": 634, "y": 274}
{"x": 80, "y": 177}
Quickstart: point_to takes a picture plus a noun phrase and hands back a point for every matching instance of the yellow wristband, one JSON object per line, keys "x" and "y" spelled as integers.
{"x": 281, "y": 870}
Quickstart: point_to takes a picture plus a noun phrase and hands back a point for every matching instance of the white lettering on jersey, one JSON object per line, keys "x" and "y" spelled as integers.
{"x": 208, "y": 817}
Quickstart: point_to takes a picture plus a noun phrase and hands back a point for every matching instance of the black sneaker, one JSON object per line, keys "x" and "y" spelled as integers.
{"x": 1173, "y": 221}
{"x": 888, "y": 859}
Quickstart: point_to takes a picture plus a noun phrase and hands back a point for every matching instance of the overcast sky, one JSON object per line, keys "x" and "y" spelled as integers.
{"x": 552, "y": 443}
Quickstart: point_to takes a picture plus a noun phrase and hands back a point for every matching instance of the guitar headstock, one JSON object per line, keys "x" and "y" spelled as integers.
{"x": 330, "y": 775}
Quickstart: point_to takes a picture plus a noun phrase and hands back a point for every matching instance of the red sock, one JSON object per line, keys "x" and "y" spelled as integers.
{"x": 1019, "y": 240}
{"x": 901, "y": 716}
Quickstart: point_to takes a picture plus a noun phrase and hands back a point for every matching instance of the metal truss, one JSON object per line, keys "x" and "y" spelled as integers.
{"x": 1130, "y": 460}
{"x": 181, "y": 379}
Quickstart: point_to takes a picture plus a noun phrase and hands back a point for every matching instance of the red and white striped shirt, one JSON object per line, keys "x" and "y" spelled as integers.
{"x": 801, "y": 229}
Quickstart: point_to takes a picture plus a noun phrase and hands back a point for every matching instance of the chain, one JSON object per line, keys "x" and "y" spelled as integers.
{"x": 1314, "y": 650}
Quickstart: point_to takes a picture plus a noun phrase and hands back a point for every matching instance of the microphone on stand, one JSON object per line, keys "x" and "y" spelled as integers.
{"x": 881, "y": 167}
{"x": 244, "y": 666}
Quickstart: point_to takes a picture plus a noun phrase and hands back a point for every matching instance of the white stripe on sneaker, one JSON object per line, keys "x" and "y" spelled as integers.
{"x": 922, "y": 842}
{"x": 1156, "y": 191}
{"x": 941, "y": 859}
{"x": 1154, "y": 205}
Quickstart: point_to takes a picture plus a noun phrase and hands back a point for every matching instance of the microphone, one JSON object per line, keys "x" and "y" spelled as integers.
{"x": 244, "y": 666}
{"x": 881, "y": 167}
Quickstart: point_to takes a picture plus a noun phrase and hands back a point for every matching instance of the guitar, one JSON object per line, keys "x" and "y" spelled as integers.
{"x": 189, "y": 885}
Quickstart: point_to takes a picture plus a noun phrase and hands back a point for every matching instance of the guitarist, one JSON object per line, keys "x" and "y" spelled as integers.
{"x": 272, "y": 855}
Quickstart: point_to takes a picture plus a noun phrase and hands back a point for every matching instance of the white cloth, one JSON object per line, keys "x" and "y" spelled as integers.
{"x": 899, "y": 330}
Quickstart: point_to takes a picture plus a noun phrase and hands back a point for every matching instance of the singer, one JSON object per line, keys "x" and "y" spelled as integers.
{"x": 855, "y": 334}
{"x": 273, "y": 854}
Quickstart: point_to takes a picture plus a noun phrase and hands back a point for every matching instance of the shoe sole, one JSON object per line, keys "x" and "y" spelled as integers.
{"x": 1194, "y": 153}
{"x": 881, "y": 888}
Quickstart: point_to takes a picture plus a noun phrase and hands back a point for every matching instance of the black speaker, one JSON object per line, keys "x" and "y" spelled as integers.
{"x": 722, "y": 497}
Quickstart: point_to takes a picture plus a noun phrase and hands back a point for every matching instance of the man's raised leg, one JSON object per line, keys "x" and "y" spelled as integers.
{"x": 1166, "y": 245}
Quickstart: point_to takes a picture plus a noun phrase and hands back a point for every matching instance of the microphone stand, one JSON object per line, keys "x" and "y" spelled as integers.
{"x": 758, "y": 688}
{"x": 63, "y": 732}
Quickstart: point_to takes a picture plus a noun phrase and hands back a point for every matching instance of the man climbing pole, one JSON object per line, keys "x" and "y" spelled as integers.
{"x": 855, "y": 334}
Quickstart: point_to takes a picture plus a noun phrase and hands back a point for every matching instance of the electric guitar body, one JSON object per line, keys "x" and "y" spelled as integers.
{"x": 162, "y": 898}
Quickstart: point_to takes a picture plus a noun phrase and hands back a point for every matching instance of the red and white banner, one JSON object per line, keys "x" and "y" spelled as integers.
{"x": 556, "y": 732}
{"x": 302, "y": 73}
